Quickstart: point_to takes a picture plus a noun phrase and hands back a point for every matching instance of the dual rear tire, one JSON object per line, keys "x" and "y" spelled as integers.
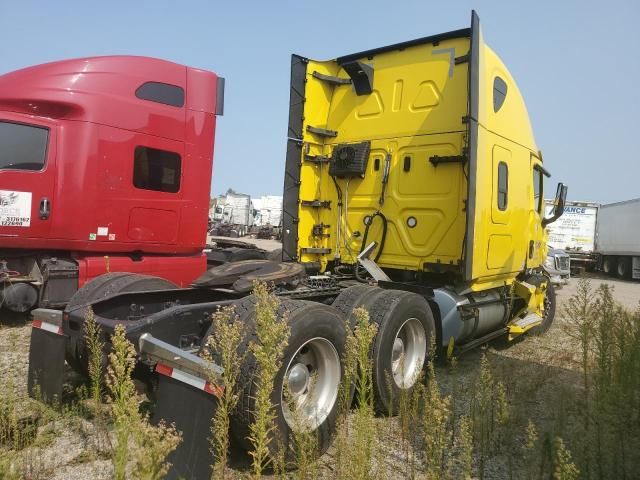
{"x": 307, "y": 387}
{"x": 617, "y": 266}
{"x": 403, "y": 343}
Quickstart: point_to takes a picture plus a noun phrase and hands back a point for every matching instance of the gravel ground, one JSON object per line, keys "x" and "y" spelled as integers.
{"x": 536, "y": 370}
{"x": 627, "y": 292}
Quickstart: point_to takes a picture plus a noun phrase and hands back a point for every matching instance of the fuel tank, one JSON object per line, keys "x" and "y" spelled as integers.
{"x": 468, "y": 316}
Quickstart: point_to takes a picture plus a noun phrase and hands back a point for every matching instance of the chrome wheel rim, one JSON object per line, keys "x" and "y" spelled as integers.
{"x": 408, "y": 353}
{"x": 310, "y": 385}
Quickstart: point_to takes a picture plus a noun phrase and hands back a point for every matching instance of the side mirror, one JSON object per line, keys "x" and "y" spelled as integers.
{"x": 558, "y": 205}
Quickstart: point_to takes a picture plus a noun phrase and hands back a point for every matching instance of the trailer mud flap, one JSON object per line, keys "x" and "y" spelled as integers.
{"x": 46, "y": 356}
{"x": 189, "y": 403}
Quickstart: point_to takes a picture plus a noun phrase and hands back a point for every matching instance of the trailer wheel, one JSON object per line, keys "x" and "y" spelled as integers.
{"x": 549, "y": 310}
{"x": 401, "y": 349}
{"x": 101, "y": 287}
{"x": 623, "y": 268}
{"x": 608, "y": 265}
{"x": 311, "y": 371}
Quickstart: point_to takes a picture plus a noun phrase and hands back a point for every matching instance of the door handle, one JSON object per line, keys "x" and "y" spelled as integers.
{"x": 45, "y": 208}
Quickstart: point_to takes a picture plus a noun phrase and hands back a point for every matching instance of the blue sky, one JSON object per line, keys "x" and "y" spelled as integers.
{"x": 576, "y": 62}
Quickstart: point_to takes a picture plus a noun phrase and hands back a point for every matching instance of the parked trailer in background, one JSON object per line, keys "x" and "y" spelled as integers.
{"x": 574, "y": 232}
{"x": 618, "y": 239}
{"x": 268, "y": 219}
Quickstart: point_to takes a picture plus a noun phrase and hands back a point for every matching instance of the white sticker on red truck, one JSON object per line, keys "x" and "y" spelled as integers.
{"x": 15, "y": 209}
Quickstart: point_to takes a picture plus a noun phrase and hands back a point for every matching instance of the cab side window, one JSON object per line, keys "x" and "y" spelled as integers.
{"x": 503, "y": 185}
{"x": 22, "y": 147}
{"x": 537, "y": 190}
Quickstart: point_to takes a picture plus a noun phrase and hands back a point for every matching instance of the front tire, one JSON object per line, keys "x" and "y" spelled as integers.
{"x": 549, "y": 310}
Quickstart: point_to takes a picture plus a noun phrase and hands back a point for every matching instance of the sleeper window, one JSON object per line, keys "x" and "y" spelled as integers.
{"x": 161, "y": 93}
{"x": 499, "y": 93}
{"x": 156, "y": 170}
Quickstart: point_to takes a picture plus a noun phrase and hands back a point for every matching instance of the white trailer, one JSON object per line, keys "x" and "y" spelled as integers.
{"x": 618, "y": 239}
{"x": 575, "y": 232}
{"x": 269, "y": 210}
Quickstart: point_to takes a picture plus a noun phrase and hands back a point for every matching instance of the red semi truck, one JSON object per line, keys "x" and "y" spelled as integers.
{"x": 105, "y": 166}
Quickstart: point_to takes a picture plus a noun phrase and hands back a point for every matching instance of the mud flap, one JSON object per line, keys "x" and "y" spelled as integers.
{"x": 46, "y": 356}
{"x": 191, "y": 410}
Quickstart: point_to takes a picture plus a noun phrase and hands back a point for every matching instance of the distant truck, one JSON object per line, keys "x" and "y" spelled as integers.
{"x": 233, "y": 214}
{"x": 574, "y": 232}
{"x": 558, "y": 265}
{"x": 617, "y": 239}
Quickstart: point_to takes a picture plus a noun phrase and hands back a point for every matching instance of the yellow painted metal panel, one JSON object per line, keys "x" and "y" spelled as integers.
{"x": 415, "y": 111}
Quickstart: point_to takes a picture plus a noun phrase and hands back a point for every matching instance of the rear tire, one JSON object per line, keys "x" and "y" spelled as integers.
{"x": 316, "y": 338}
{"x": 623, "y": 268}
{"x": 394, "y": 312}
{"x": 608, "y": 265}
{"x": 353, "y": 297}
{"x": 402, "y": 347}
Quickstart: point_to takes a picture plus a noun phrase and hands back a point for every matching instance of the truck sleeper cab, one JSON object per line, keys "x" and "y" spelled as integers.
{"x": 413, "y": 188}
{"x": 105, "y": 166}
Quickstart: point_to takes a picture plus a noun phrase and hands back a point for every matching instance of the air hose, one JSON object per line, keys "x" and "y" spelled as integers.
{"x": 364, "y": 241}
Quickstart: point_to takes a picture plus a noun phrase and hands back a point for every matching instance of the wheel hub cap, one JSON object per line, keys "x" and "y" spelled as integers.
{"x": 408, "y": 353}
{"x": 298, "y": 379}
{"x": 312, "y": 381}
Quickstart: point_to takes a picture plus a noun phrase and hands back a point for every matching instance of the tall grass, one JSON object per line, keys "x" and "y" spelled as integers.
{"x": 272, "y": 334}
{"x": 124, "y": 406}
{"x": 437, "y": 427}
{"x": 137, "y": 441}
{"x": 95, "y": 348}
{"x": 357, "y": 442}
{"x": 223, "y": 346}
{"x": 587, "y": 420}
{"x": 489, "y": 412}
{"x": 609, "y": 337}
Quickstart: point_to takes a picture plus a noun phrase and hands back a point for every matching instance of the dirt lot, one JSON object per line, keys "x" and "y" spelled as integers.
{"x": 537, "y": 370}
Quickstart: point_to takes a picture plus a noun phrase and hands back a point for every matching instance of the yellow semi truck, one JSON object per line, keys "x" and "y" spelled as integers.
{"x": 425, "y": 148}
{"x": 413, "y": 187}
